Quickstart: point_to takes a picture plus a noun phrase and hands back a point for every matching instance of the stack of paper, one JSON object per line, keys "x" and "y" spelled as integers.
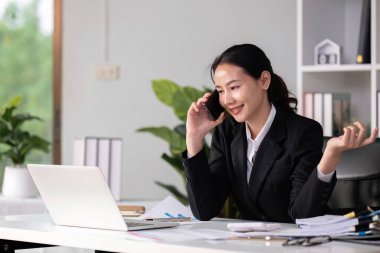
{"x": 359, "y": 224}
{"x": 171, "y": 210}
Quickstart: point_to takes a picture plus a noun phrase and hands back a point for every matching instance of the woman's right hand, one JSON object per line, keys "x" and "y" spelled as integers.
{"x": 198, "y": 124}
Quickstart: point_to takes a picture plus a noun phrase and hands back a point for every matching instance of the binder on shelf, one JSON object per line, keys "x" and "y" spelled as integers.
{"x": 104, "y": 156}
{"x": 79, "y": 151}
{"x": 318, "y": 108}
{"x": 106, "y": 153}
{"x": 91, "y": 151}
{"x": 364, "y": 46}
{"x": 327, "y": 114}
{"x": 336, "y": 113}
{"x": 115, "y": 167}
{"x": 331, "y": 110}
{"x": 308, "y": 105}
{"x": 85, "y": 151}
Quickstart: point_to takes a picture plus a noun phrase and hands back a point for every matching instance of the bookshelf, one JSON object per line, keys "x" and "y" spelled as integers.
{"x": 339, "y": 21}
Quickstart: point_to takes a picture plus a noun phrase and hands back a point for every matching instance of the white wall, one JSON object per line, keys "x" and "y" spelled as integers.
{"x": 150, "y": 39}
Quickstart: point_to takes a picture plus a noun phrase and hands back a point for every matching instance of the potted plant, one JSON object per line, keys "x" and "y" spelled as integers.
{"x": 180, "y": 98}
{"x": 15, "y": 145}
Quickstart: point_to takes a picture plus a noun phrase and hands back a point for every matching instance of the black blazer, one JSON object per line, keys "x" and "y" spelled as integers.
{"x": 283, "y": 185}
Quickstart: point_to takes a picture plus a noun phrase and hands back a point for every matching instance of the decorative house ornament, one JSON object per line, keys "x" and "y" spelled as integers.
{"x": 327, "y": 52}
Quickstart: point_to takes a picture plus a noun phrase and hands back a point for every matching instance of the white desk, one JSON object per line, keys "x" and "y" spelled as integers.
{"x": 15, "y": 206}
{"x": 12, "y": 206}
{"x": 40, "y": 229}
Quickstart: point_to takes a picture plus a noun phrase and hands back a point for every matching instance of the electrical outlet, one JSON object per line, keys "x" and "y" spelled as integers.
{"x": 106, "y": 72}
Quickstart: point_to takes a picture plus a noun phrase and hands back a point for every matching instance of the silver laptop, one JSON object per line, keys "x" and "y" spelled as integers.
{"x": 79, "y": 196}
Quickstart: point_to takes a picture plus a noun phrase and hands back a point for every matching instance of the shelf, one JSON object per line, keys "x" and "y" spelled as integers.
{"x": 336, "y": 68}
{"x": 341, "y": 23}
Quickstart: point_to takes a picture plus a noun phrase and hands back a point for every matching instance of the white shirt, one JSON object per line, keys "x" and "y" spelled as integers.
{"x": 253, "y": 146}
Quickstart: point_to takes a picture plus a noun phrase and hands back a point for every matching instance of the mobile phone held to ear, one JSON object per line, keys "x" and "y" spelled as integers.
{"x": 213, "y": 107}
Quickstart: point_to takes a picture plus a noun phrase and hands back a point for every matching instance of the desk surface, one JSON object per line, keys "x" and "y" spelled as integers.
{"x": 40, "y": 229}
{"x": 17, "y": 206}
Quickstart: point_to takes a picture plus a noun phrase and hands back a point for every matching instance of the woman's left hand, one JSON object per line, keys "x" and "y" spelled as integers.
{"x": 354, "y": 136}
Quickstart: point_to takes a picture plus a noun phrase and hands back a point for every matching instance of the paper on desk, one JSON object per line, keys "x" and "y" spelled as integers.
{"x": 169, "y": 206}
{"x": 292, "y": 232}
{"x": 321, "y": 220}
{"x": 330, "y": 226}
{"x": 180, "y": 235}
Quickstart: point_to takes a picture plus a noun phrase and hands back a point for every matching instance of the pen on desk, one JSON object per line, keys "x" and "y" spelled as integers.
{"x": 182, "y": 219}
{"x": 361, "y": 233}
{"x": 169, "y": 215}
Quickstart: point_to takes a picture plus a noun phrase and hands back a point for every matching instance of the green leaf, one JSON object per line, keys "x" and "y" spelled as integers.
{"x": 181, "y": 104}
{"x": 165, "y": 90}
{"x": 16, "y": 143}
{"x": 7, "y": 116}
{"x": 179, "y": 98}
{"x": 192, "y": 93}
{"x": 183, "y": 99}
{"x": 181, "y": 129}
{"x": 176, "y": 163}
{"x": 15, "y": 101}
{"x": 176, "y": 141}
{"x": 21, "y": 118}
{"x": 4, "y": 129}
{"x": 173, "y": 190}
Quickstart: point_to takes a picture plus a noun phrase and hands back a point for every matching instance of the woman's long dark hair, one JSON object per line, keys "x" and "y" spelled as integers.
{"x": 254, "y": 61}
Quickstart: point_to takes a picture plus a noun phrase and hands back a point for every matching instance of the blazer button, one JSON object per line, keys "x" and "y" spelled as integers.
{"x": 264, "y": 218}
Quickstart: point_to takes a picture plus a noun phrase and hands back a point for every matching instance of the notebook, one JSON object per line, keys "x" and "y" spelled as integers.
{"x": 79, "y": 196}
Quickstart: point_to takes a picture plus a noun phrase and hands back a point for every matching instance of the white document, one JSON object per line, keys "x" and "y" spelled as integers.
{"x": 327, "y": 224}
{"x": 321, "y": 220}
{"x": 169, "y": 207}
{"x": 292, "y": 232}
{"x": 180, "y": 235}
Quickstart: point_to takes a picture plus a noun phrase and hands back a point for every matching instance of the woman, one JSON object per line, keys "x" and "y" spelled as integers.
{"x": 266, "y": 155}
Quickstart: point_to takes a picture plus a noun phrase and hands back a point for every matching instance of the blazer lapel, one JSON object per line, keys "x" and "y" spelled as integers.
{"x": 269, "y": 151}
{"x": 239, "y": 154}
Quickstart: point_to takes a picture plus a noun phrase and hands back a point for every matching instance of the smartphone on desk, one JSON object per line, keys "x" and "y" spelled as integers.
{"x": 213, "y": 107}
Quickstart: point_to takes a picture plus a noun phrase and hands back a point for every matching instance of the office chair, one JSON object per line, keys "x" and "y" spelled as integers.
{"x": 358, "y": 179}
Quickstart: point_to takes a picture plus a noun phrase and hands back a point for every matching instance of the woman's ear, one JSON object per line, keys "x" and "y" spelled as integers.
{"x": 265, "y": 79}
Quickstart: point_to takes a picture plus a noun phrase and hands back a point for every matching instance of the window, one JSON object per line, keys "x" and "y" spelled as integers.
{"x": 27, "y": 54}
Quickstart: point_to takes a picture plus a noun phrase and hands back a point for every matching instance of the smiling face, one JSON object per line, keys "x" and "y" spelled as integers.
{"x": 244, "y": 97}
